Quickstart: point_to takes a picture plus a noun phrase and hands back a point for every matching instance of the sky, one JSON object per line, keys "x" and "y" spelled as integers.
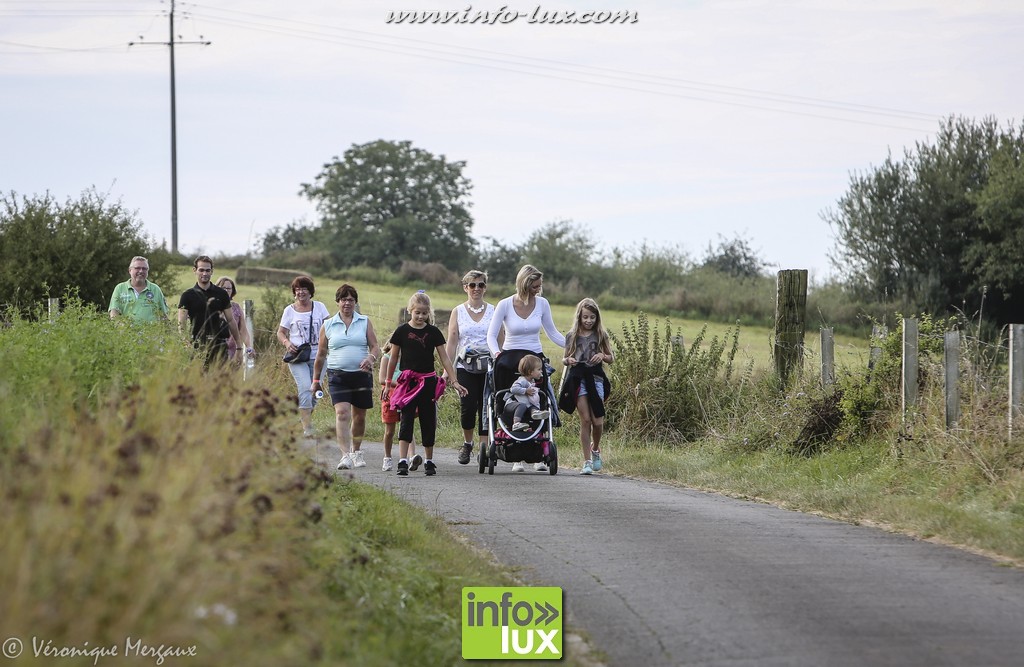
{"x": 687, "y": 124}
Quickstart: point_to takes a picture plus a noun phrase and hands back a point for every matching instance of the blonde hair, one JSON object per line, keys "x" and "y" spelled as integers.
{"x": 525, "y": 279}
{"x": 603, "y": 340}
{"x": 529, "y": 364}
{"x": 473, "y": 274}
{"x": 421, "y": 299}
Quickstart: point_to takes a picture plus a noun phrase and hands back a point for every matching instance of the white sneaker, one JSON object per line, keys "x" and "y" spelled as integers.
{"x": 308, "y": 432}
{"x": 540, "y": 414}
{"x": 518, "y": 466}
{"x": 520, "y": 426}
{"x": 357, "y": 459}
{"x": 388, "y": 464}
{"x": 540, "y": 467}
{"x": 346, "y": 462}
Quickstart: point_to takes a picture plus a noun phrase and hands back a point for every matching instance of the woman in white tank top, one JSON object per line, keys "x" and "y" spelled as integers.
{"x": 467, "y": 346}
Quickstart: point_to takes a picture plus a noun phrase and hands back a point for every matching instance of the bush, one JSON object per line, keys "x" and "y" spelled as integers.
{"x": 665, "y": 391}
{"x": 84, "y": 247}
{"x": 430, "y": 273}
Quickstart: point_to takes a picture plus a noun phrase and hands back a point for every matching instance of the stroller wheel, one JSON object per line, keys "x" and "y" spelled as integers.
{"x": 492, "y": 458}
{"x": 482, "y": 459}
{"x": 552, "y": 458}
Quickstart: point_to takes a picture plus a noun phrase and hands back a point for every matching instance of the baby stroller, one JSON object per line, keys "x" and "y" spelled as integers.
{"x": 529, "y": 446}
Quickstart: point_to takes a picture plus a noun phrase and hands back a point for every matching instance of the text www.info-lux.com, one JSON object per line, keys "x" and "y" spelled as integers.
{"x": 504, "y": 15}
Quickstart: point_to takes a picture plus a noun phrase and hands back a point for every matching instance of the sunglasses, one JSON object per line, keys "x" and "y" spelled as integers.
{"x": 476, "y": 285}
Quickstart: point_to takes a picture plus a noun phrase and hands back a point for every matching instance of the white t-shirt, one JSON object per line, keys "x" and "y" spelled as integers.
{"x": 297, "y": 324}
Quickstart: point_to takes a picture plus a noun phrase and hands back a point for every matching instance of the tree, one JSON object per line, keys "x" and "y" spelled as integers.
{"x": 386, "y": 201}
{"x": 568, "y": 255}
{"x": 915, "y": 229}
{"x": 998, "y": 256}
{"x": 500, "y": 261}
{"x": 734, "y": 258}
{"x": 85, "y": 245}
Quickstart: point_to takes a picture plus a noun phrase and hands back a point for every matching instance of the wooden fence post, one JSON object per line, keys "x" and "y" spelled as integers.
{"x": 910, "y": 361}
{"x": 53, "y": 308}
{"x": 828, "y": 358}
{"x": 790, "y": 312}
{"x": 878, "y": 332}
{"x": 952, "y": 364}
{"x": 1016, "y": 374}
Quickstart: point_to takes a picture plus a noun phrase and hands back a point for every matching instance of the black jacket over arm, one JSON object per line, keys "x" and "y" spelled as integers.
{"x": 571, "y": 386}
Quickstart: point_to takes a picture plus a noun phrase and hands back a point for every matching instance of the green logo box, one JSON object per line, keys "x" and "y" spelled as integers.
{"x": 514, "y": 623}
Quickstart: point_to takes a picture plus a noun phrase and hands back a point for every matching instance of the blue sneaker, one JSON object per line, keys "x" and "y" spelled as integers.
{"x": 588, "y": 468}
{"x": 597, "y": 460}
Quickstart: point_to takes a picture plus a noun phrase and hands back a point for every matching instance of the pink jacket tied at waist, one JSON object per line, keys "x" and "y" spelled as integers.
{"x": 409, "y": 384}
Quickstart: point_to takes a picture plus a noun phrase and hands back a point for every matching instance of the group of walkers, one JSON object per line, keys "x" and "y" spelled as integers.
{"x": 342, "y": 350}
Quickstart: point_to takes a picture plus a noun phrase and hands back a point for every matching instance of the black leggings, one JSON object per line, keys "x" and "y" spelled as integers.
{"x": 472, "y": 404}
{"x": 424, "y": 407}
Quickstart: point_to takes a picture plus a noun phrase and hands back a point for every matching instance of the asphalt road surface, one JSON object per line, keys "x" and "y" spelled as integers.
{"x": 660, "y": 575}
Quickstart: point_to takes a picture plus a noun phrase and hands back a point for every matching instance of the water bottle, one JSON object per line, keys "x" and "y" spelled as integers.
{"x": 250, "y": 360}
{"x": 319, "y": 394}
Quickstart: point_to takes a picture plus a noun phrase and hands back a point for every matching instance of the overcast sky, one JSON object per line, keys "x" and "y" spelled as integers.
{"x": 696, "y": 121}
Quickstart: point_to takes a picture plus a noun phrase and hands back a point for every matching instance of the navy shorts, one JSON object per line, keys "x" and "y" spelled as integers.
{"x": 355, "y": 387}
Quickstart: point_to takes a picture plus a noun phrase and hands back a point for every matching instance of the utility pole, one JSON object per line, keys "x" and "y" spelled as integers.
{"x": 174, "y": 126}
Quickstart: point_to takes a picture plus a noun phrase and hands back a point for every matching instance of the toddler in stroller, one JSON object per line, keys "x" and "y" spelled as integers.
{"x": 525, "y": 393}
{"x": 520, "y": 419}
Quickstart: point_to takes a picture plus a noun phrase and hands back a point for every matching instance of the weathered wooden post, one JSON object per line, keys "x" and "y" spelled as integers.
{"x": 828, "y": 358}
{"x": 790, "y": 313}
{"x": 878, "y": 332}
{"x": 910, "y": 361}
{"x": 952, "y": 365}
{"x": 53, "y": 308}
{"x": 1016, "y": 374}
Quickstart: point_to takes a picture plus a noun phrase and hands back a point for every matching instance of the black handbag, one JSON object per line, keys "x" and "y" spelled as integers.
{"x": 300, "y": 354}
{"x": 304, "y": 351}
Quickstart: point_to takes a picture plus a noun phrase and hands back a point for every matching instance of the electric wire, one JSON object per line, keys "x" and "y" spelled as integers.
{"x": 466, "y": 56}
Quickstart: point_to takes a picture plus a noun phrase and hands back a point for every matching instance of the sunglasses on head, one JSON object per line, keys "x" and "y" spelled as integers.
{"x": 476, "y": 285}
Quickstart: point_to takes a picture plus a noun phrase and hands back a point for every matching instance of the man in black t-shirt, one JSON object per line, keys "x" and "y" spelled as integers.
{"x": 209, "y": 308}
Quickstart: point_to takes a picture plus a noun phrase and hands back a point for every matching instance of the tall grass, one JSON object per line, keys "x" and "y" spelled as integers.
{"x": 145, "y": 500}
{"x": 847, "y": 451}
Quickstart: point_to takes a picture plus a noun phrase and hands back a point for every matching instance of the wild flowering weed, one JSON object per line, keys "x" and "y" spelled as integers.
{"x": 664, "y": 390}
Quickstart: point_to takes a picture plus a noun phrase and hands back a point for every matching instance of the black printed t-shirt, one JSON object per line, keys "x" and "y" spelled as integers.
{"x": 204, "y": 309}
{"x": 418, "y": 347}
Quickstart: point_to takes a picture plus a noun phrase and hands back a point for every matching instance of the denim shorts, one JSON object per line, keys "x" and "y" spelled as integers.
{"x": 598, "y": 384}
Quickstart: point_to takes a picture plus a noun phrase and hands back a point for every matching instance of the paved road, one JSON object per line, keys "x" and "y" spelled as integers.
{"x": 660, "y": 575}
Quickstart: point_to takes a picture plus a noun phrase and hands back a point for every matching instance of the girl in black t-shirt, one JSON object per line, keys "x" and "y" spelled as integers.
{"x": 415, "y": 394}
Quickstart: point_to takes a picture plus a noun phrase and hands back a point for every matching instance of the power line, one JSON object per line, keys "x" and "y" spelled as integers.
{"x": 171, "y": 42}
{"x": 629, "y": 76}
{"x": 577, "y": 73}
{"x": 455, "y": 58}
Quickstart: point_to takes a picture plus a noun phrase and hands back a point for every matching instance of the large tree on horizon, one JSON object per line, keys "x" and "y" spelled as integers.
{"x": 930, "y": 230}
{"x": 387, "y": 201}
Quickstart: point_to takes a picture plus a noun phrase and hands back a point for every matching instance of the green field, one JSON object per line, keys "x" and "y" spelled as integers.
{"x": 382, "y": 304}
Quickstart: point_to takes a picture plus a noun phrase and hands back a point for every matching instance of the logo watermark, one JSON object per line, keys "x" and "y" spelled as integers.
{"x": 516, "y": 623}
{"x": 132, "y": 647}
{"x": 505, "y": 15}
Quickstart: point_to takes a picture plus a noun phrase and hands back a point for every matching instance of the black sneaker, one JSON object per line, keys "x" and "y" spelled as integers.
{"x": 465, "y": 453}
{"x": 429, "y": 468}
{"x": 416, "y": 461}
{"x": 403, "y": 468}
